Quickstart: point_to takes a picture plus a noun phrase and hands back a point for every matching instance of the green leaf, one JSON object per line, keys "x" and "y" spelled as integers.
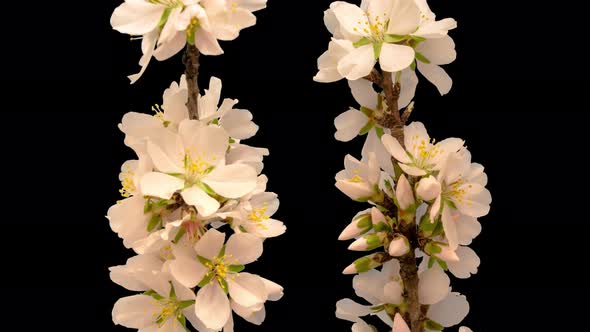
{"x": 153, "y": 294}
{"x": 154, "y": 222}
{"x": 421, "y": 58}
{"x": 185, "y": 304}
{"x": 366, "y": 128}
{"x": 379, "y": 131}
{"x": 433, "y": 326}
{"x": 179, "y": 235}
{"x": 377, "y": 49}
{"x": 236, "y": 268}
{"x": 361, "y": 42}
{"x": 394, "y": 38}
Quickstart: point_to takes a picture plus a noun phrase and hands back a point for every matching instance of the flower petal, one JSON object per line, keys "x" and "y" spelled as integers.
{"x": 274, "y": 290}
{"x": 206, "y": 43}
{"x": 364, "y": 93}
{"x": 135, "y": 311}
{"x": 160, "y": 185}
{"x": 437, "y": 76}
{"x": 247, "y": 289}
{"x": 232, "y": 181}
{"x": 358, "y": 63}
{"x": 205, "y": 204}
{"x": 349, "y": 124}
{"x": 243, "y": 248}
{"x": 433, "y": 286}
{"x": 136, "y": 17}
{"x": 393, "y": 146}
{"x": 212, "y": 306}
{"x": 187, "y": 271}
{"x": 439, "y": 51}
{"x": 448, "y": 221}
{"x": 396, "y": 58}
{"x": 405, "y": 17}
{"x": 348, "y": 15}
{"x": 409, "y": 81}
{"x": 349, "y": 310}
{"x": 451, "y": 311}
{"x": 467, "y": 264}
{"x": 210, "y": 244}
{"x": 399, "y": 324}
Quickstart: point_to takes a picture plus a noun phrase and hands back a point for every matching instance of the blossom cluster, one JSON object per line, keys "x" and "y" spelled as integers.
{"x": 425, "y": 196}
{"x": 167, "y": 26}
{"x": 193, "y": 181}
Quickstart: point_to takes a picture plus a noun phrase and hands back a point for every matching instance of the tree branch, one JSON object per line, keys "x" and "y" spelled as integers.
{"x": 191, "y": 62}
{"x": 393, "y": 120}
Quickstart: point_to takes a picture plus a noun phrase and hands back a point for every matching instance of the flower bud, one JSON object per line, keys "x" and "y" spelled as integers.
{"x": 441, "y": 251}
{"x": 428, "y": 188}
{"x": 367, "y": 242}
{"x": 399, "y": 246}
{"x": 360, "y": 224}
{"x": 366, "y": 263}
{"x": 404, "y": 194}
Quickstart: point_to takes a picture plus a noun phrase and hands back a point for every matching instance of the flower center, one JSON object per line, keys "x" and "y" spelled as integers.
{"x": 168, "y": 309}
{"x": 195, "y": 167}
{"x": 426, "y": 151}
{"x": 128, "y": 187}
{"x": 373, "y": 27}
{"x": 356, "y": 177}
{"x": 259, "y": 215}
{"x": 456, "y": 193}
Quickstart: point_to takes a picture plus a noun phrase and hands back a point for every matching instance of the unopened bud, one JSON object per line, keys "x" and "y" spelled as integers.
{"x": 360, "y": 225}
{"x": 399, "y": 246}
{"x": 428, "y": 188}
{"x": 367, "y": 242}
{"x": 404, "y": 193}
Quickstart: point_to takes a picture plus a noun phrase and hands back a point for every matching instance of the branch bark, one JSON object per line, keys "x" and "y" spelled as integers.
{"x": 393, "y": 120}
{"x": 191, "y": 62}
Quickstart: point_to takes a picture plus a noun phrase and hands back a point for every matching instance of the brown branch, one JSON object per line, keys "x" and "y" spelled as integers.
{"x": 191, "y": 62}
{"x": 375, "y": 77}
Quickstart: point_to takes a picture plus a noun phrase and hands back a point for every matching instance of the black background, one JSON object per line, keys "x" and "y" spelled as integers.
{"x": 513, "y": 101}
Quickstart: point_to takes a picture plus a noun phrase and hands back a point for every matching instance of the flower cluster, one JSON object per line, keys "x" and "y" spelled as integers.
{"x": 166, "y": 26}
{"x": 401, "y": 35}
{"x": 193, "y": 179}
{"x": 425, "y": 195}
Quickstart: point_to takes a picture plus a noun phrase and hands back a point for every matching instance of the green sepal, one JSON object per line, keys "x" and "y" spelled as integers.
{"x": 413, "y": 65}
{"x": 222, "y": 251}
{"x": 182, "y": 320}
{"x": 236, "y": 268}
{"x": 204, "y": 261}
{"x": 231, "y": 140}
{"x": 223, "y": 284}
{"x": 164, "y": 18}
{"x": 451, "y": 204}
{"x": 206, "y": 188}
{"x": 431, "y": 248}
{"x": 394, "y": 38}
{"x": 154, "y": 222}
{"x": 361, "y": 42}
{"x": 366, "y": 128}
{"x": 426, "y": 226}
{"x": 374, "y": 241}
{"x": 179, "y": 235}
{"x": 417, "y": 38}
{"x": 185, "y": 304}
{"x": 206, "y": 279}
{"x": 421, "y": 58}
{"x": 430, "y": 262}
{"x": 377, "y": 49}
{"x": 148, "y": 206}
{"x": 378, "y": 308}
{"x": 172, "y": 292}
{"x": 154, "y": 294}
{"x": 369, "y": 262}
{"x": 442, "y": 264}
{"x": 367, "y": 111}
{"x": 214, "y": 121}
{"x": 379, "y": 131}
{"x": 432, "y": 325}
{"x": 382, "y": 227}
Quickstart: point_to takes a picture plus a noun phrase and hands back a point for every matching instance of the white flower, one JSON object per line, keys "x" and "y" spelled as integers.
{"x": 128, "y": 220}
{"x": 450, "y": 311}
{"x": 383, "y": 30}
{"x": 463, "y": 192}
{"x": 360, "y": 224}
{"x": 162, "y": 308}
{"x": 377, "y": 287}
{"x": 254, "y": 216}
{"x": 193, "y": 161}
{"x": 350, "y": 123}
{"x": 328, "y": 62}
{"x": 465, "y": 329}
{"x": 238, "y": 123}
{"x": 421, "y": 156}
{"x": 247, "y": 155}
{"x": 360, "y": 179}
{"x": 168, "y": 25}
{"x": 218, "y": 272}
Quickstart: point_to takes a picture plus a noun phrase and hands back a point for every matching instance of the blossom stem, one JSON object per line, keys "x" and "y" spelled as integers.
{"x": 409, "y": 274}
{"x": 191, "y": 62}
